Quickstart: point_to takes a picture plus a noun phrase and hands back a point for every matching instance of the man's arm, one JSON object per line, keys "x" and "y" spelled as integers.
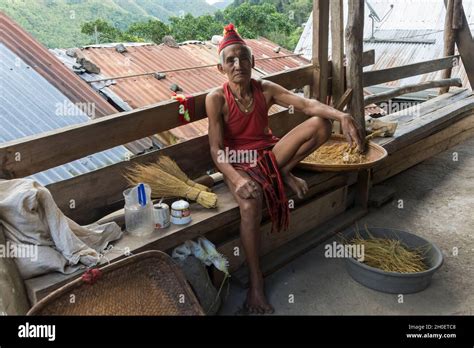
{"x": 312, "y": 107}
{"x": 244, "y": 187}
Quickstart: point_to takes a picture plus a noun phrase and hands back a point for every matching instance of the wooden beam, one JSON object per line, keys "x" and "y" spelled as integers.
{"x": 425, "y": 124}
{"x": 448, "y": 42}
{"x": 377, "y": 98}
{"x": 33, "y": 154}
{"x": 98, "y": 193}
{"x": 320, "y": 49}
{"x": 465, "y": 42}
{"x": 344, "y": 100}
{"x": 354, "y": 43}
{"x": 377, "y": 77}
{"x": 368, "y": 58}
{"x": 337, "y": 49}
{"x": 423, "y": 149}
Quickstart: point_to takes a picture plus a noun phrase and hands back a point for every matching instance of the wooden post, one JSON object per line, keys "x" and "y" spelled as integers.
{"x": 354, "y": 47}
{"x": 457, "y": 14}
{"x": 448, "y": 42}
{"x": 464, "y": 41}
{"x": 337, "y": 55}
{"x": 320, "y": 49}
{"x": 337, "y": 49}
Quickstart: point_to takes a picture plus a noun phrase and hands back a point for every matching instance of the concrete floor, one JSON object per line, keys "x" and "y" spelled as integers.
{"x": 438, "y": 199}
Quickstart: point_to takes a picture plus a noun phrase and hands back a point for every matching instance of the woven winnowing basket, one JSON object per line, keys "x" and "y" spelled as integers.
{"x": 148, "y": 283}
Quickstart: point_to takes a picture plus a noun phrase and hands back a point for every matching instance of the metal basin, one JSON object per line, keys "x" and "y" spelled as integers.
{"x": 392, "y": 282}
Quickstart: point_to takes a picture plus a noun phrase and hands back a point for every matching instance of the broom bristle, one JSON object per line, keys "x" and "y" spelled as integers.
{"x": 168, "y": 165}
{"x": 163, "y": 184}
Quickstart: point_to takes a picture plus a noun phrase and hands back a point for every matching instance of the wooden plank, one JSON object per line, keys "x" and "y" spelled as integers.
{"x": 376, "y": 77}
{"x": 298, "y": 246}
{"x": 337, "y": 49}
{"x": 322, "y": 208}
{"x": 396, "y": 92}
{"x": 50, "y": 149}
{"x": 320, "y": 49}
{"x": 292, "y": 78}
{"x": 205, "y": 222}
{"x": 424, "y": 149}
{"x": 423, "y": 126}
{"x": 88, "y": 197}
{"x": 411, "y": 113}
{"x": 465, "y": 43}
{"x": 368, "y": 58}
{"x": 354, "y": 43}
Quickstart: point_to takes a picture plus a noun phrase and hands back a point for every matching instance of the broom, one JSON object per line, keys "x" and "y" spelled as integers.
{"x": 166, "y": 164}
{"x": 163, "y": 184}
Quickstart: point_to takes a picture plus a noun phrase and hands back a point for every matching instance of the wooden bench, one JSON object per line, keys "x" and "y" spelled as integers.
{"x": 330, "y": 205}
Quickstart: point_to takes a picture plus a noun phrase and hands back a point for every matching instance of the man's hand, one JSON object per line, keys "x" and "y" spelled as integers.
{"x": 246, "y": 188}
{"x": 350, "y": 129}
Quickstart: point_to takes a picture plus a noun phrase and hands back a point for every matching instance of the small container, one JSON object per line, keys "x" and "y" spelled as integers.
{"x": 138, "y": 211}
{"x": 180, "y": 213}
{"x": 161, "y": 212}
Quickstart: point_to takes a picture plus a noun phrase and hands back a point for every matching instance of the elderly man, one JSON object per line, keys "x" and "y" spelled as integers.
{"x": 238, "y": 121}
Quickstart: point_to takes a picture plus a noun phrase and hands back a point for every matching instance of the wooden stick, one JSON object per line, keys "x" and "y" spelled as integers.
{"x": 376, "y": 98}
{"x": 448, "y": 42}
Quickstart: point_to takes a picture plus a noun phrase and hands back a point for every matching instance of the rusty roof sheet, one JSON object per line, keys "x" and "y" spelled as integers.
{"x": 198, "y": 59}
{"x": 44, "y": 62}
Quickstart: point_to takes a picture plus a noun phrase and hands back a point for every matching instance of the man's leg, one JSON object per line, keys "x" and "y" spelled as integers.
{"x": 296, "y": 145}
{"x": 250, "y": 235}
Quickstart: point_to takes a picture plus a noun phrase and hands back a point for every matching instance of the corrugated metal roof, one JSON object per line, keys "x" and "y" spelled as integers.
{"x": 410, "y": 20}
{"x": 144, "y": 90}
{"x": 30, "y": 105}
{"x": 40, "y": 59}
{"x": 47, "y": 65}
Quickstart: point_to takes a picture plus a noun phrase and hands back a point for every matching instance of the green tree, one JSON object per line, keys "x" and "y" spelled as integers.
{"x": 194, "y": 28}
{"x": 259, "y": 20}
{"x": 101, "y": 31}
{"x": 152, "y": 30}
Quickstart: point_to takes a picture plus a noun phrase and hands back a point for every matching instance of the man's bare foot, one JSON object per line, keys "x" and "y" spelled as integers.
{"x": 256, "y": 302}
{"x": 297, "y": 185}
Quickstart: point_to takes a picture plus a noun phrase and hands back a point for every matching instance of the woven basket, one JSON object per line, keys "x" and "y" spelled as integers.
{"x": 148, "y": 283}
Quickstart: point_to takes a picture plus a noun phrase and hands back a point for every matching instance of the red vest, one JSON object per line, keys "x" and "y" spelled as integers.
{"x": 248, "y": 131}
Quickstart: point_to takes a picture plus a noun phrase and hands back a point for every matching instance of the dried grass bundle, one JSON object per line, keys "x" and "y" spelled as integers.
{"x": 166, "y": 164}
{"x": 163, "y": 184}
{"x": 390, "y": 255}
